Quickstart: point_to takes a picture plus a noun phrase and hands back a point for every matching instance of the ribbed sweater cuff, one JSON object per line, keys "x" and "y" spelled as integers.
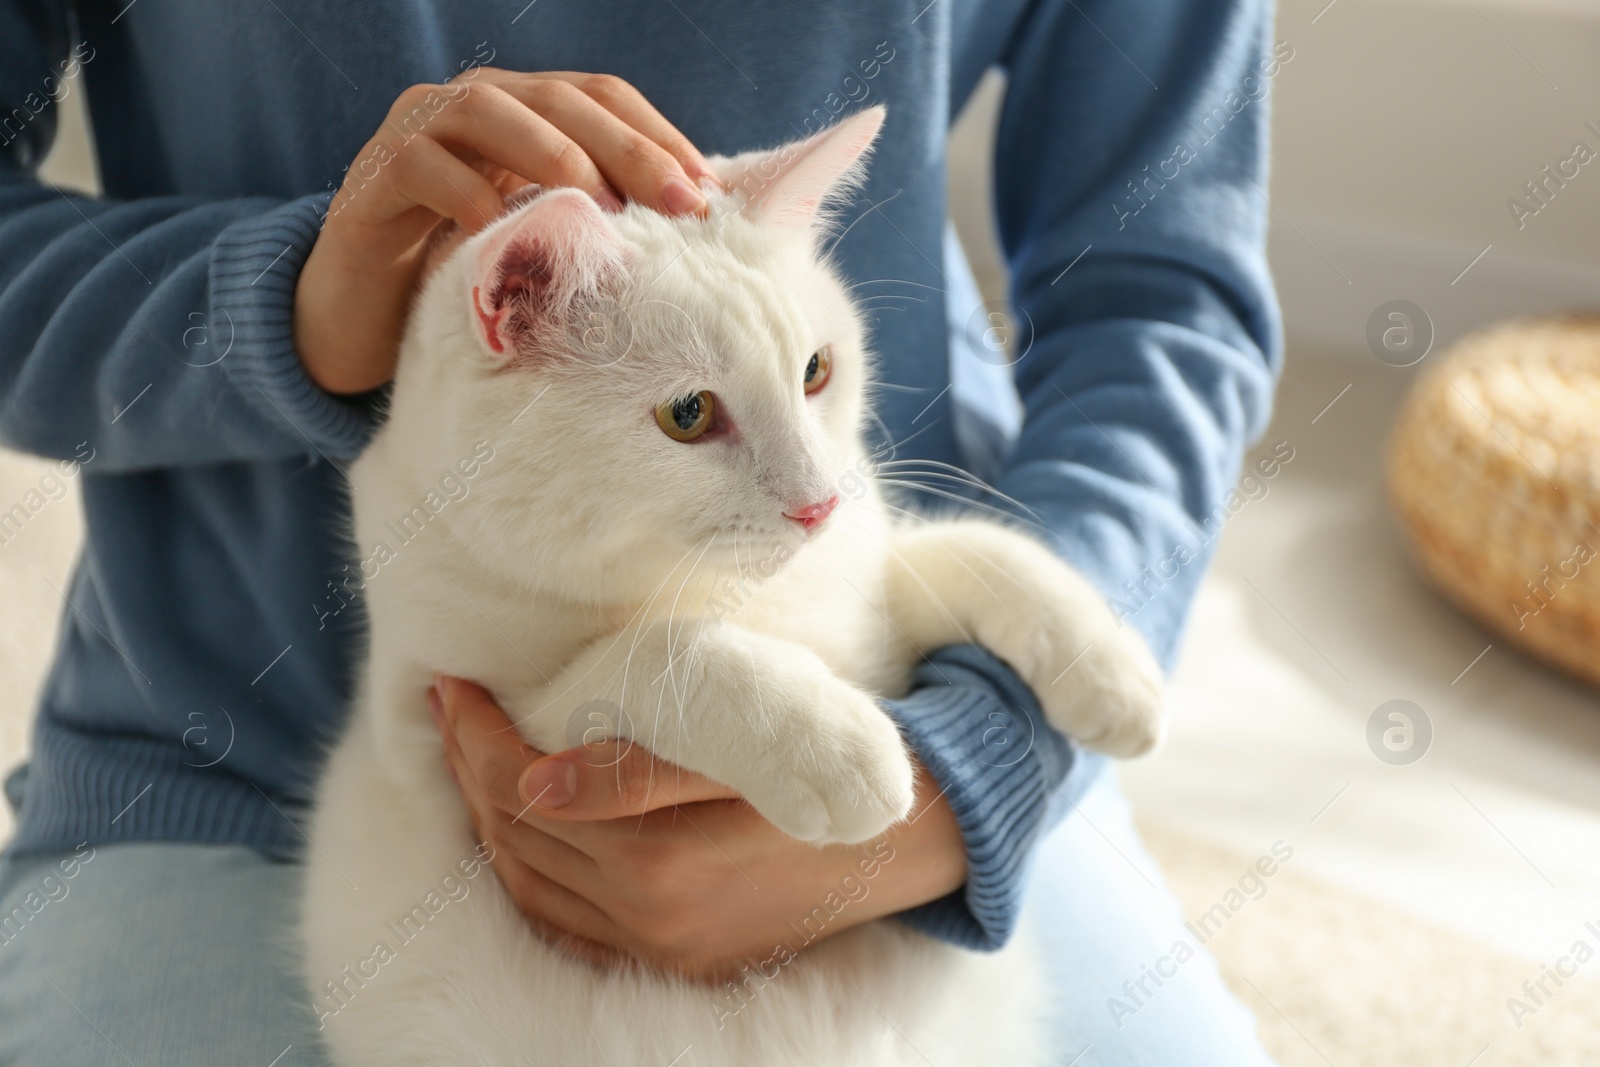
{"x": 108, "y": 789}
{"x": 982, "y": 736}
{"x": 255, "y": 266}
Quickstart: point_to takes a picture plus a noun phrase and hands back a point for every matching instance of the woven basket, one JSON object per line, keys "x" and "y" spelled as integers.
{"x": 1494, "y": 472}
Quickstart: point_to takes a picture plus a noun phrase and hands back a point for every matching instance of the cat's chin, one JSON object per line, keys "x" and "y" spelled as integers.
{"x": 789, "y": 535}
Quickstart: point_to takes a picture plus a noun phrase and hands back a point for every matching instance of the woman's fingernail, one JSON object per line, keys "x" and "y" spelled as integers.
{"x": 608, "y": 201}
{"x": 436, "y": 707}
{"x": 550, "y": 783}
{"x": 681, "y": 198}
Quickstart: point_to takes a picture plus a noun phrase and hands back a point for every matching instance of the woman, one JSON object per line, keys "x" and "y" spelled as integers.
{"x": 218, "y": 328}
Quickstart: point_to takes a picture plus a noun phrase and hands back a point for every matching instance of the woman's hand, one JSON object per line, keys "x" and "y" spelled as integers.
{"x": 448, "y": 154}
{"x": 613, "y": 853}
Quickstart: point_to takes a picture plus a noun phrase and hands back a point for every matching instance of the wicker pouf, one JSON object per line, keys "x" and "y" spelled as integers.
{"x": 1494, "y": 472}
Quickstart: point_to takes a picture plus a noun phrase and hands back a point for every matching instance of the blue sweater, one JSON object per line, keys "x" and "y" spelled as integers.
{"x": 145, "y": 339}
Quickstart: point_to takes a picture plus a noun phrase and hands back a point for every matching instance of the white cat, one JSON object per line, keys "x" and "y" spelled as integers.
{"x": 624, "y": 467}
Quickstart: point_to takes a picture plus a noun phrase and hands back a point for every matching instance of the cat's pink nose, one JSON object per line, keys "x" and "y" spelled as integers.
{"x": 813, "y": 515}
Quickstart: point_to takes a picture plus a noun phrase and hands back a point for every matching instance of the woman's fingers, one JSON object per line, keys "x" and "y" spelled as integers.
{"x": 635, "y": 165}
{"x": 491, "y": 750}
{"x": 454, "y": 152}
{"x": 457, "y": 149}
{"x": 557, "y": 910}
{"x": 631, "y": 162}
{"x": 629, "y": 165}
{"x": 629, "y": 104}
{"x": 612, "y": 780}
{"x": 544, "y": 875}
{"x": 429, "y": 175}
{"x": 640, "y": 153}
{"x": 489, "y": 123}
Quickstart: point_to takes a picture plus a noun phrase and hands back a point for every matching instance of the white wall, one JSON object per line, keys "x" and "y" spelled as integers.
{"x": 1401, "y": 128}
{"x": 1425, "y": 117}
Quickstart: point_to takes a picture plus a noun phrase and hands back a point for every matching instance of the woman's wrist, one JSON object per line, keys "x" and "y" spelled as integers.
{"x": 931, "y": 854}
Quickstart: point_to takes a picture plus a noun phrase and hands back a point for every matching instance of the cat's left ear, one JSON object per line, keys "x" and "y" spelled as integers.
{"x": 538, "y": 269}
{"x": 789, "y": 186}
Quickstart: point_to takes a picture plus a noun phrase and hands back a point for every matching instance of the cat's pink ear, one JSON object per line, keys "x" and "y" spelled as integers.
{"x": 789, "y": 186}
{"x": 536, "y": 270}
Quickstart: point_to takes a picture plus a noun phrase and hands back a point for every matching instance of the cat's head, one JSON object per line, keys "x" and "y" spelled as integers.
{"x": 656, "y": 390}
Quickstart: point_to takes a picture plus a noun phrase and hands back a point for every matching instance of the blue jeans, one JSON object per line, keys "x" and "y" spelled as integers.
{"x": 175, "y": 955}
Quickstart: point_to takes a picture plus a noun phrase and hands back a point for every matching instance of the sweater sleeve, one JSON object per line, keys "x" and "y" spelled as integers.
{"x": 1129, "y": 182}
{"x": 154, "y": 332}
{"x": 1006, "y": 775}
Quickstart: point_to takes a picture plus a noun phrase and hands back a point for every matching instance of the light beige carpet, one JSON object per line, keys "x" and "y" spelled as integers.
{"x": 1335, "y": 980}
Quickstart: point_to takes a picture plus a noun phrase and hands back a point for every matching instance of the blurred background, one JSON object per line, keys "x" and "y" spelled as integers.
{"x": 1422, "y": 895}
{"x": 1425, "y": 888}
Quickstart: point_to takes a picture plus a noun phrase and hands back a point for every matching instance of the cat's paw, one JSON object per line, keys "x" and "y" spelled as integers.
{"x": 977, "y": 581}
{"x": 845, "y": 779}
{"x": 1096, "y": 681}
{"x": 1107, "y": 695}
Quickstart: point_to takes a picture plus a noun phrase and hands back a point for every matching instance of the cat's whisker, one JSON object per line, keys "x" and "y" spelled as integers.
{"x": 662, "y": 691}
{"x": 913, "y": 517}
{"x": 834, "y": 243}
{"x": 905, "y": 467}
{"x": 888, "y": 437}
{"x": 922, "y": 461}
{"x": 761, "y": 703}
{"x": 672, "y": 637}
{"x": 892, "y": 281}
{"x": 938, "y": 601}
{"x": 976, "y": 505}
{"x": 968, "y": 567}
{"x": 890, "y": 445}
{"x": 1007, "y": 575}
{"x": 936, "y": 464}
{"x": 891, "y": 296}
{"x": 634, "y": 623}
{"x": 691, "y": 656}
{"x": 909, "y": 469}
{"x": 642, "y": 614}
{"x": 907, "y": 473}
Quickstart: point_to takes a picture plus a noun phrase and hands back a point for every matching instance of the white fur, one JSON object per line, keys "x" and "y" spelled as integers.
{"x": 594, "y": 558}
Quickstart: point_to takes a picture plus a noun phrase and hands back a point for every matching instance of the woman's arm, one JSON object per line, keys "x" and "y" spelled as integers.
{"x": 1154, "y": 356}
{"x": 156, "y": 332}
{"x": 175, "y": 330}
{"x": 1133, "y": 220}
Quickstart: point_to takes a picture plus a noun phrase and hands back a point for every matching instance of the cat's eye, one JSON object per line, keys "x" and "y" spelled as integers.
{"x": 687, "y": 417}
{"x": 819, "y": 368}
